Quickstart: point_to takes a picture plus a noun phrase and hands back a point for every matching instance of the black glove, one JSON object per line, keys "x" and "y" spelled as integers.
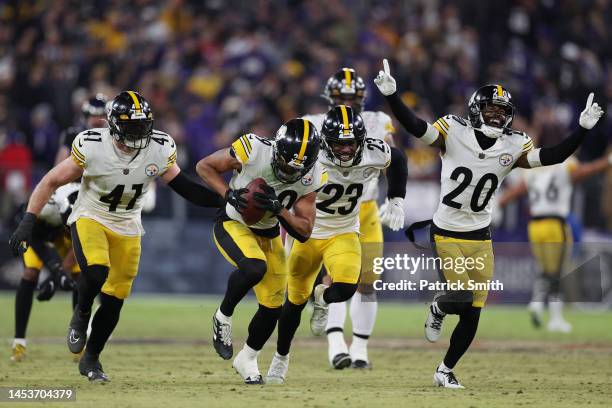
{"x": 66, "y": 282}
{"x": 46, "y": 290}
{"x": 234, "y": 197}
{"x": 23, "y": 234}
{"x": 268, "y": 201}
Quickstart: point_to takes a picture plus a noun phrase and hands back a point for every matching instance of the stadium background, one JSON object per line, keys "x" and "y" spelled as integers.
{"x": 212, "y": 74}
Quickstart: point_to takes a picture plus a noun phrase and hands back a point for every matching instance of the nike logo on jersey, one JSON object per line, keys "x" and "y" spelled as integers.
{"x": 80, "y": 144}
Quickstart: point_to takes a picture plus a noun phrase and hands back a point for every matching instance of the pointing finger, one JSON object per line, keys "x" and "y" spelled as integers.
{"x": 386, "y": 67}
{"x": 590, "y": 100}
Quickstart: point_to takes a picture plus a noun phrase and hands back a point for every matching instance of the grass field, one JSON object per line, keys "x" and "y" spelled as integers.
{"x": 161, "y": 355}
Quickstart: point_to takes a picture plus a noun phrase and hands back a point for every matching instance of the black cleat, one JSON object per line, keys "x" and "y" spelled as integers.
{"x": 222, "y": 338}
{"x": 360, "y": 364}
{"x": 90, "y": 367}
{"x": 257, "y": 380}
{"x": 77, "y": 331}
{"x": 341, "y": 361}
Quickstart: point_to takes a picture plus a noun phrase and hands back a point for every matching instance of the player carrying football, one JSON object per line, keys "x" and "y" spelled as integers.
{"x": 117, "y": 164}
{"x": 476, "y": 155}
{"x": 351, "y": 160}
{"x": 288, "y": 165}
{"x": 50, "y": 247}
{"x": 347, "y": 88}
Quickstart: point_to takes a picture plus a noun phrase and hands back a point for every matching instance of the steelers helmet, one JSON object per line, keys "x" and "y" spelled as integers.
{"x": 130, "y": 120}
{"x": 347, "y": 88}
{"x": 296, "y": 149}
{"x": 94, "y": 106}
{"x": 495, "y": 95}
{"x": 342, "y": 126}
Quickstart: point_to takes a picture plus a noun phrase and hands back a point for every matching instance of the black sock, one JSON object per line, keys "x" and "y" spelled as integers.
{"x": 23, "y": 306}
{"x": 75, "y": 298}
{"x": 462, "y": 336}
{"x": 262, "y": 326}
{"x": 89, "y": 285}
{"x": 288, "y": 324}
{"x": 104, "y": 322}
{"x": 339, "y": 292}
{"x": 240, "y": 282}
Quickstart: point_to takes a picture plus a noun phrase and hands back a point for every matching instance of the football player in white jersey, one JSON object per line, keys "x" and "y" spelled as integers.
{"x": 351, "y": 160}
{"x": 550, "y": 199}
{"x": 289, "y": 166}
{"x": 347, "y": 88}
{"x": 117, "y": 165}
{"x": 51, "y": 248}
{"x": 476, "y": 155}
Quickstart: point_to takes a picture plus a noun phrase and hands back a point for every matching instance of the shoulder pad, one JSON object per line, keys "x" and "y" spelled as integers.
{"x": 84, "y": 145}
{"x": 458, "y": 119}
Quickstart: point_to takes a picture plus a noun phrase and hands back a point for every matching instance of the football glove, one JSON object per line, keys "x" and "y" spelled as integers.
{"x": 46, "y": 290}
{"x": 268, "y": 200}
{"x": 384, "y": 81}
{"x": 20, "y": 240}
{"x": 234, "y": 197}
{"x": 66, "y": 282}
{"x": 392, "y": 213}
{"x": 591, "y": 113}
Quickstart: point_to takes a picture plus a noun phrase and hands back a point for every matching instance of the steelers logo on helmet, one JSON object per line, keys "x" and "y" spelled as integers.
{"x": 345, "y": 87}
{"x": 296, "y": 148}
{"x": 343, "y": 136}
{"x": 491, "y": 110}
{"x": 130, "y": 119}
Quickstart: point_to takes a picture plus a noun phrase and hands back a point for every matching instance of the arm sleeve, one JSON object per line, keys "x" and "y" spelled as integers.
{"x": 412, "y": 123}
{"x": 397, "y": 174}
{"x": 559, "y": 153}
{"x": 195, "y": 192}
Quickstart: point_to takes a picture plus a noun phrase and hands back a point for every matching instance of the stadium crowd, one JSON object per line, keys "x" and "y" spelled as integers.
{"x": 212, "y": 74}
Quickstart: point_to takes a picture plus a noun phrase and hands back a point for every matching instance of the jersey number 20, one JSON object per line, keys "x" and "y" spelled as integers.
{"x": 467, "y": 174}
{"x": 113, "y": 199}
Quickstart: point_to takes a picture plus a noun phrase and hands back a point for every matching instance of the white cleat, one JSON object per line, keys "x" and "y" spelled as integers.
{"x": 536, "y": 310}
{"x": 559, "y": 326}
{"x": 278, "y": 369}
{"x": 246, "y": 367}
{"x": 318, "y": 321}
{"x": 446, "y": 379}
{"x": 433, "y": 325}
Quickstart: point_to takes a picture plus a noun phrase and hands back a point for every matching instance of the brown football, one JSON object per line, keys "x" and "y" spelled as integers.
{"x": 252, "y": 214}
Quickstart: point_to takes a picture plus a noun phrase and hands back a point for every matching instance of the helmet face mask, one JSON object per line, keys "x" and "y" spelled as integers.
{"x": 491, "y": 110}
{"x": 94, "y": 111}
{"x": 343, "y": 135}
{"x": 131, "y": 120}
{"x": 296, "y": 150}
{"x": 345, "y": 87}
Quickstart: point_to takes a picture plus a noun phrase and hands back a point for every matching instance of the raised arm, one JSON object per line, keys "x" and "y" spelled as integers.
{"x": 585, "y": 170}
{"x": 413, "y": 124}
{"x": 547, "y": 156}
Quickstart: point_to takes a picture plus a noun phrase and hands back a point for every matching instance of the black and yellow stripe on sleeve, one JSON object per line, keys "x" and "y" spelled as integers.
{"x": 77, "y": 156}
{"x": 242, "y": 148}
{"x": 528, "y": 146}
{"x": 324, "y": 178}
{"x": 442, "y": 127}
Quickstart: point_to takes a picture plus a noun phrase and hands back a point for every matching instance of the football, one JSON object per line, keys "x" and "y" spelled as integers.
{"x": 251, "y": 214}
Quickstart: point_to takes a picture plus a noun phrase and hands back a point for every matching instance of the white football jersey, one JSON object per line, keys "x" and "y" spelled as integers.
{"x": 51, "y": 213}
{"x": 470, "y": 175}
{"x": 255, "y": 155}
{"x": 550, "y": 189}
{"x": 114, "y": 182}
{"x": 378, "y": 126}
{"x": 338, "y": 202}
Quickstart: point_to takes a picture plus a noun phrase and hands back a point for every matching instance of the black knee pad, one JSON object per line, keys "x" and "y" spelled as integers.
{"x": 455, "y": 301}
{"x": 271, "y": 312}
{"x": 253, "y": 270}
{"x": 470, "y": 315}
{"x": 340, "y": 292}
{"x": 95, "y": 275}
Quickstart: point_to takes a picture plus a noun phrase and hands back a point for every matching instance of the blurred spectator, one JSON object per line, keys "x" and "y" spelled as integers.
{"x": 213, "y": 70}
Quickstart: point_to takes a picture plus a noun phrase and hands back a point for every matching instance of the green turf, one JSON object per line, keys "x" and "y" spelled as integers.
{"x": 510, "y": 364}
